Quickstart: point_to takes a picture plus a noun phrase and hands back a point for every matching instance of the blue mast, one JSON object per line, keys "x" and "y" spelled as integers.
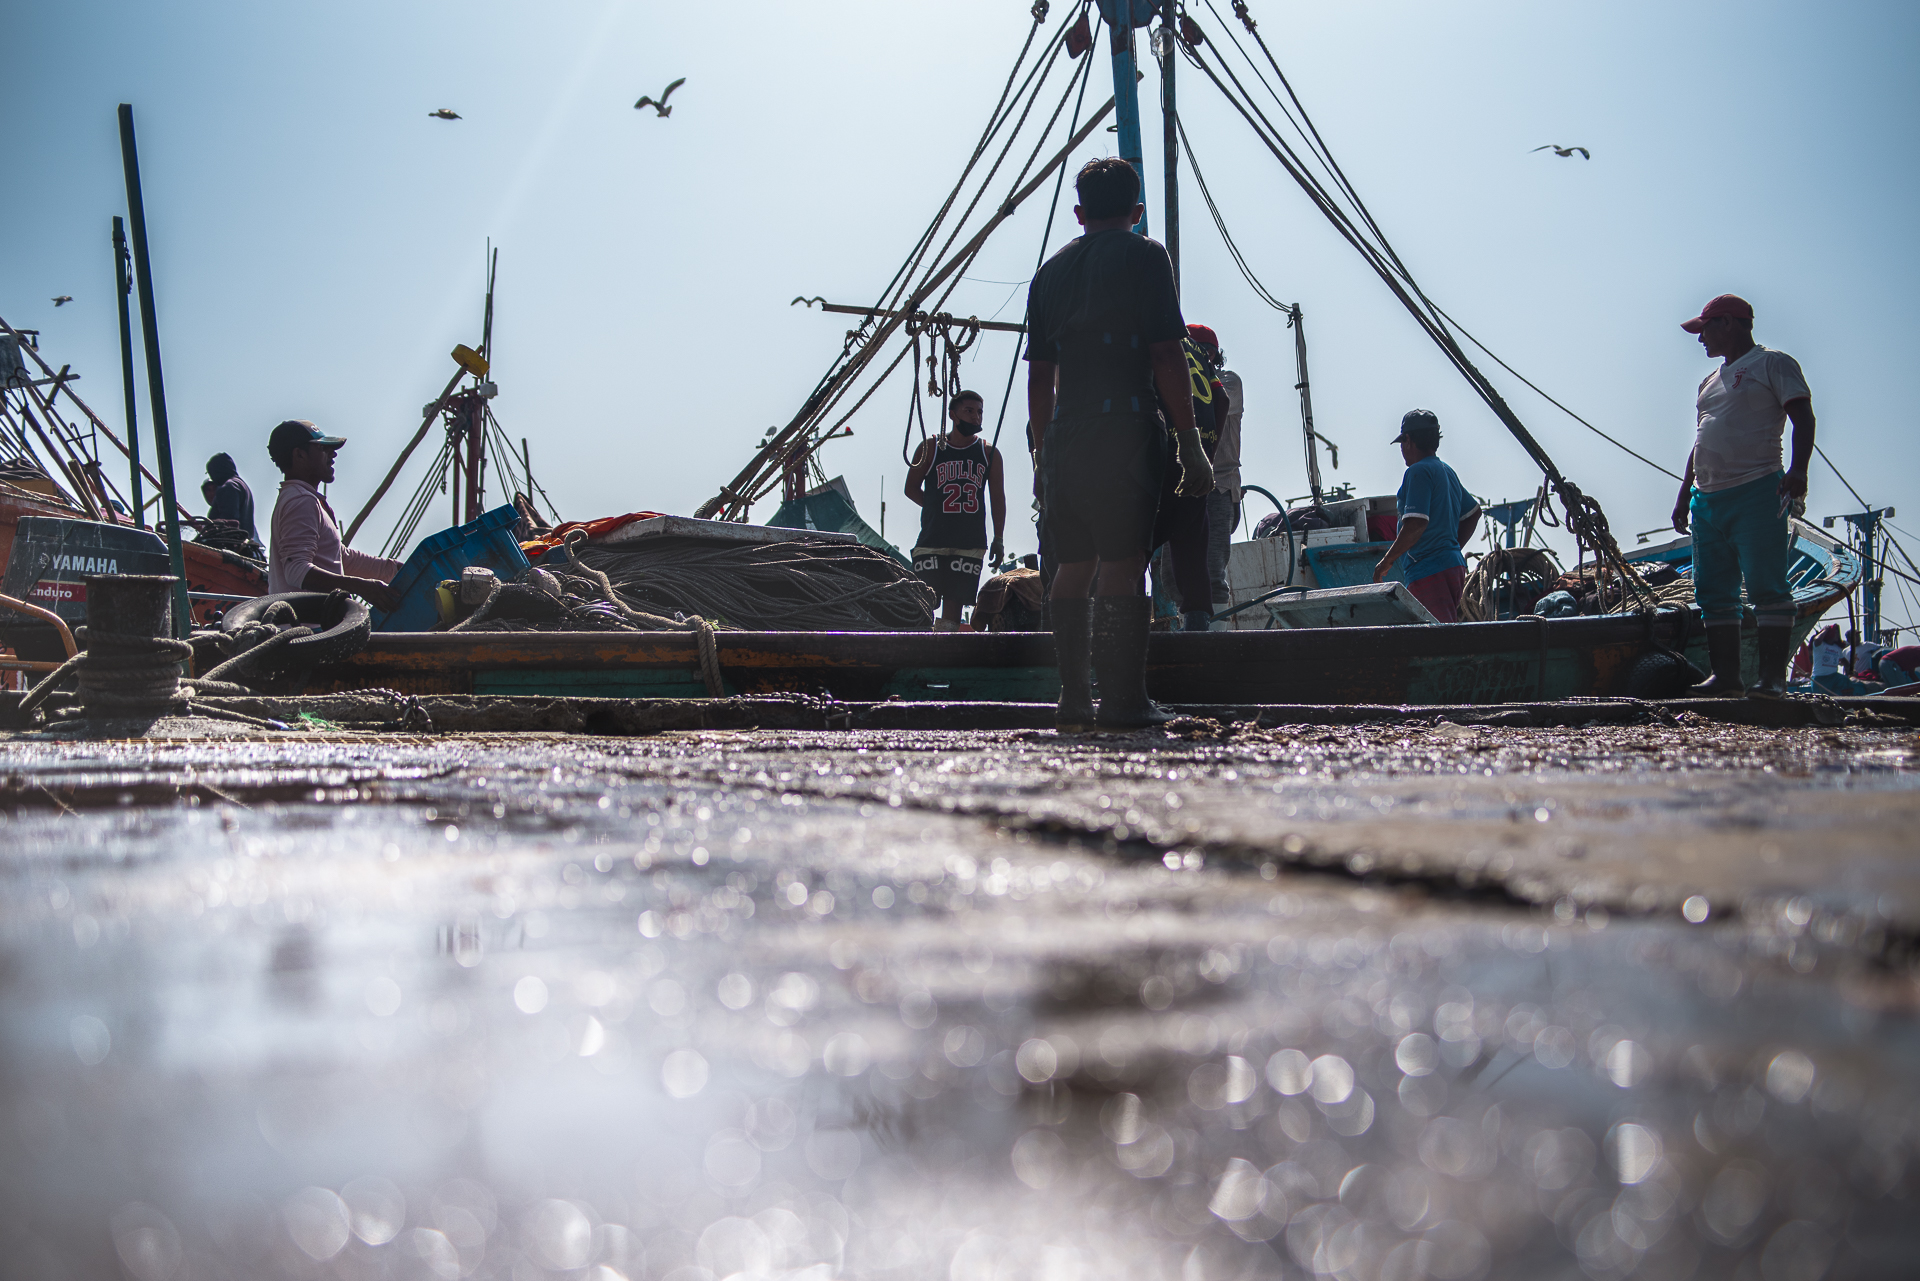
{"x": 1122, "y": 16}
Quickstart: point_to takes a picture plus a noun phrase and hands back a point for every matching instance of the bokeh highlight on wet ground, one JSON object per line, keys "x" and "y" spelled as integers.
{"x": 1369, "y": 1003}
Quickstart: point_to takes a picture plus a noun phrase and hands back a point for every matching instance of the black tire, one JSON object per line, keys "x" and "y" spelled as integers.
{"x": 344, "y": 621}
{"x": 1660, "y": 675}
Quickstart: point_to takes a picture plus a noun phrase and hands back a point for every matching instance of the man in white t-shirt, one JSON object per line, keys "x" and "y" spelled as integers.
{"x": 1736, "y": 495}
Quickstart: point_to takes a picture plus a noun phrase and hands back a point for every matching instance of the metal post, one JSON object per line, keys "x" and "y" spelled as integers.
{"x": 1126, "y": 95}
{"x": 1298, "y": 321}
{"x": 1170, "y": 122}
{"x": 1867, "y": 525}
{"x": 476, "y": 457}
{"x": 156, "y": 384}
{"x": 125, "y": 279}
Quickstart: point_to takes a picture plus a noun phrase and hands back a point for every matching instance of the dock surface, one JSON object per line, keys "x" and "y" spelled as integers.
{"x": 1377, "y": 1001}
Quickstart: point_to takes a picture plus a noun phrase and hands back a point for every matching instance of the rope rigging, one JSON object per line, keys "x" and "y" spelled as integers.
{"x": 1053, "y": 210}
{"x": 1344, "y": 209}
{"x": 803, "y": 433}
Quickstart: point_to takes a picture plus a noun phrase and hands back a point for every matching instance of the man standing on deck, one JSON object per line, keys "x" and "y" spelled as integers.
{"x": 1182, "y": 523}
{"x": 1223, "y": 503}
{"x": 1437, "y": 518}
{"x": 307, "y": 553}
{"x": 1104, "y": 333}
{"x": 946, "y": 480}
{"x": 1736, "y": 497}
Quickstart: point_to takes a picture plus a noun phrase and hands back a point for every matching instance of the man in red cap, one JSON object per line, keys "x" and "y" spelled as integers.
{"x": 1181, "y": 525}
{"x": 1736, "y": 496}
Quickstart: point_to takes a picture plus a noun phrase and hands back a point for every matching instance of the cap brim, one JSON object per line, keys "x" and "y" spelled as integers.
{"x": 1695, "y": 325}
{"x": 331, "y": 442}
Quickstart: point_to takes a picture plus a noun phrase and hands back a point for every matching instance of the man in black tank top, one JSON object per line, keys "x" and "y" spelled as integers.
{"x": 949, "y": 477}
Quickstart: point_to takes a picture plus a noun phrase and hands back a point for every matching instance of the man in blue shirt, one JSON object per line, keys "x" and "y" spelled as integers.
{"x": 1437, "y": 517}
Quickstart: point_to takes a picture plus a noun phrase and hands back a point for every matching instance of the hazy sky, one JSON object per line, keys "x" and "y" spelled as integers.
{"x": 318, "y": 240}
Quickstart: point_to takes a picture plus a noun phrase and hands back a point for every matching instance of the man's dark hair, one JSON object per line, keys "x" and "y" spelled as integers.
{"x": 959, "y": 396}
{"x": 221, "y": 467}
{"x": 1107, "y": 187}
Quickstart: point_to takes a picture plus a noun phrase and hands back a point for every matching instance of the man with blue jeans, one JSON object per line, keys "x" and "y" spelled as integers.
{"x": 1736, "y": 497}
{"x": 1437, "y": 518}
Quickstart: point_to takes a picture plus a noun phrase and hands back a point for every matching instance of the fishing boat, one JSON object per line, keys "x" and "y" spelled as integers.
{"x": 1511, "y": 660}
{"x": 1313, "y": 632}
{"x": 63, "y": 518}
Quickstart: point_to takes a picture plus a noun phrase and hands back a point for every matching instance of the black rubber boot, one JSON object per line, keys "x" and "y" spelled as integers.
{"x": 1120, "y": 654}
{"x": 1776, "y": 645}
{"x": 1723, "y": 655}
{"x": 1072, "y": 646}
{"x": 1196, "y": 620}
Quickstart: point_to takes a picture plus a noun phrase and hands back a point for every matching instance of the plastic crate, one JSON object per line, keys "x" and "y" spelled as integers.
{"x": 487, "y": 541}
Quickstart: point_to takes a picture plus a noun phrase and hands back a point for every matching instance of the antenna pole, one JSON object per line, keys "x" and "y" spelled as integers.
{"x": 156, "y": 383}
{"x": 125, "y": 280}
{"x": 1126, "y": 94}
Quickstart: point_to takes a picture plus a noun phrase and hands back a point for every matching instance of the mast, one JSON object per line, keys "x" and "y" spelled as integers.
{"x": 1170, "y": 124}
{"x": 1126, "y": 95}
{"x": 120, "y": 260}
{"x": 156, "y": 384}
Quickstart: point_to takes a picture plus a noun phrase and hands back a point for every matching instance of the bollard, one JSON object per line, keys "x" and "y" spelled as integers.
{"x": 131, "y": 668}
{"x": 130, "y": 604}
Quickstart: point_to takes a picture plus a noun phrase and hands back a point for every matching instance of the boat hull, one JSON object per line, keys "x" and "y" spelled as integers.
{"x": 1525, "y": 660}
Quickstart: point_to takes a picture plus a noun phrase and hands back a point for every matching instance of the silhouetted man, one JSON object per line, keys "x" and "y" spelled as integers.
{"x": 1104, "y": 333}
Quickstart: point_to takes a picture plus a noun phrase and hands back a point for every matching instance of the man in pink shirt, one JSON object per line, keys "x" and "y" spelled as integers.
{"x": 307, "y": 553}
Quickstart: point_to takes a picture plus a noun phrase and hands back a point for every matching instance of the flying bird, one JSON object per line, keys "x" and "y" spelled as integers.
{"x": 661, "y": 107}
{"x": 1563, "y": 152}
{"x": 63, "y": 300}
{"x": 809, "y": 301}
{"x": 445, "y": 113}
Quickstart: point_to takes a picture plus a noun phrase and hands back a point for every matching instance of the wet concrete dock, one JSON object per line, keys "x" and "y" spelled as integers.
{"x": 1365, "y": 1001}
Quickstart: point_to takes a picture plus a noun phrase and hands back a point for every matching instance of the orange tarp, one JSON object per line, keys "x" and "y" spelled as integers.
{"x": 537, "y": 547}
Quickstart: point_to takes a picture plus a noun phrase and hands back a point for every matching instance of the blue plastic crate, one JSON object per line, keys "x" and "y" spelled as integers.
{"x": 488, "y": 541}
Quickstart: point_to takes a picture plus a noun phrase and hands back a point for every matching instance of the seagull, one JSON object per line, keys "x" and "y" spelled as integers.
{"x": 1564, "y": 152}
{"x": 661, "y": 108}
{"x": 809, "y": 301}
{"x": 63, "y": 300}
{"x": 445, "y": 113}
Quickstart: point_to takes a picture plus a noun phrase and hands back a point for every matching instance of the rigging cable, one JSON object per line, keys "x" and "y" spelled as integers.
{"x": 1585, "y": 518}
{"x": 1308, "y": 130}
{"x": 863, "y": 346}
{"x": 1053, "y": 209}
{"x": 1239, "y": 260}
{"x": 864, "y": 342}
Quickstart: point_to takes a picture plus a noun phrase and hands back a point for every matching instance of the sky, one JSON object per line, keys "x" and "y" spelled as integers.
{"x": 318, "y": 241}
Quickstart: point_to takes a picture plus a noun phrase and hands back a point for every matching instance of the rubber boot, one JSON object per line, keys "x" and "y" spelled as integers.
{"x": 1776, "y": 645}
{"x": 1073, "y": 647}
{"x": 1120, "y": 654}
{"x": 1197, "y": 620}
{"x": 1723, "y": 655}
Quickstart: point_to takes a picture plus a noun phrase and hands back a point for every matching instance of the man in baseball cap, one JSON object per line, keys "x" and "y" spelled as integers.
{"x": 1437, "y": 518}
{"x": 1736, "y": 496}
{"x": 307, "y": 553}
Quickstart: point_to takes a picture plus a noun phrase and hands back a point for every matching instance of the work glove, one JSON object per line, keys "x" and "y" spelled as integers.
{"x": 1196, "y": 471}
{"x": 996, "y": 554}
